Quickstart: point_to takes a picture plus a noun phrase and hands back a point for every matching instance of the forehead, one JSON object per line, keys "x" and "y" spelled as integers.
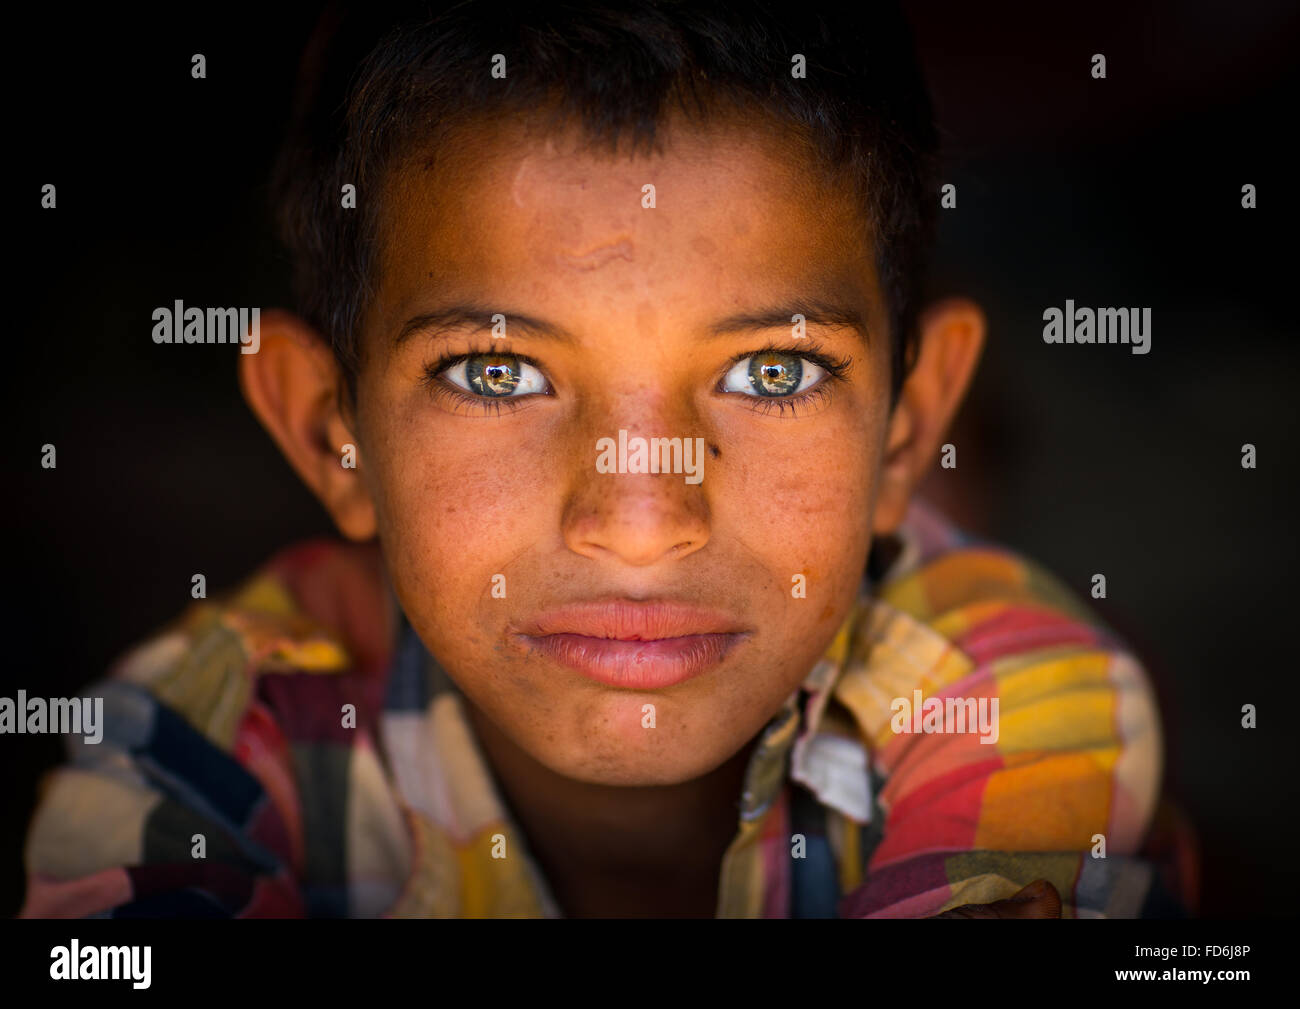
{"x": 719, "y": 218}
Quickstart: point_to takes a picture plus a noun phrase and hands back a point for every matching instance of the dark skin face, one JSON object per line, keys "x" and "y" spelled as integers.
{"x": 643, "y": 315}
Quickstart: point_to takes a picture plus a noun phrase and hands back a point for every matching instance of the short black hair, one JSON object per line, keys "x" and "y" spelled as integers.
{"x": 375, "y": 85}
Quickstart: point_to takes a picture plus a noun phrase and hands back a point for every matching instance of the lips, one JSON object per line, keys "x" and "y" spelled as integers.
{"x": 634, "y": 645}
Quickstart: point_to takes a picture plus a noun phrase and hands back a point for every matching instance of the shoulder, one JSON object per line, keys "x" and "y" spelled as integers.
{"x": 203, "y": 726}
{"x": 1012, "y": 735}
{"x": 314, "y": 611}
{"x": 1067, "y": 738}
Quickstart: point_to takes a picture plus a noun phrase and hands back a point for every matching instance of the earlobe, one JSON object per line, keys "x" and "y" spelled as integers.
{"x": 950, "y": 342}
{"x": 293, "y": 385}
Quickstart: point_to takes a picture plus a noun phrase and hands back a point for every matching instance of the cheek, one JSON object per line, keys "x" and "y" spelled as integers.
{"x": 451, "y": 507}
{"x": 799, "y": 499}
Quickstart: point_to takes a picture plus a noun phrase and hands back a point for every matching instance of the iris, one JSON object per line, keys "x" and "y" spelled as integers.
{"x": 493, "y": 375}
{"x": 773, "y": 374}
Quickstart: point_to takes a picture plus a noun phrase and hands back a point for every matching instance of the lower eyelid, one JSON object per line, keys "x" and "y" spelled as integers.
{"x": 467, "y": 404}
{"x": 815, "y": 397}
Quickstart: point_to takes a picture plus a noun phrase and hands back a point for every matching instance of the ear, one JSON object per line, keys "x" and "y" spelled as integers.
{"x": 297, "y": 390}
{"x": 950, "y": 341}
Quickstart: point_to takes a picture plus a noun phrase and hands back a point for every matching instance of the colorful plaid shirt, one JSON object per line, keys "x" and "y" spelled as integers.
{"x": 235, "y": 725}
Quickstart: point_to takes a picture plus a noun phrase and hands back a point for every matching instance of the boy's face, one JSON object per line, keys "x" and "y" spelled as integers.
{"x": 511, "y": 551}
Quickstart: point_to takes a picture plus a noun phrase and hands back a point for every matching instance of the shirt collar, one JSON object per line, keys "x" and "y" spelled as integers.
{"x": 826, "y": 753}
{"x": 825, "y": 741}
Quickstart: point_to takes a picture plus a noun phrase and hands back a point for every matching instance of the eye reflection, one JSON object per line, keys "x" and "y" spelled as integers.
{"x": 496, "y": 376}
{"x": 772, "y": 374}
{"x": 775, "y": 374}
{"x": 493, "y": 376}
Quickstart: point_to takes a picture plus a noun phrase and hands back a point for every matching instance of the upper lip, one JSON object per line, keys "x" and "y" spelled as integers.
{"x": 631, "y": 620}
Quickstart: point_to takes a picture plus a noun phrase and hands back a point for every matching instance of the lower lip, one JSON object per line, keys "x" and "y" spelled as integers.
{"x": 637, "y": 665}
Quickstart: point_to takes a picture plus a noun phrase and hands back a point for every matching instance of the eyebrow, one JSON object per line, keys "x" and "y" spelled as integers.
{"x": 476, "y": 318}
{"x": 814, "y": 312}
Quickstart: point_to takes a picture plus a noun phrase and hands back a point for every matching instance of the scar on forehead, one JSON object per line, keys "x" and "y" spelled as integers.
{"x": 599, "y": 256}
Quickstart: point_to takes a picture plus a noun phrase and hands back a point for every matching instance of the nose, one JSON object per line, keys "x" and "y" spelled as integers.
{"x": 637, "y": 518}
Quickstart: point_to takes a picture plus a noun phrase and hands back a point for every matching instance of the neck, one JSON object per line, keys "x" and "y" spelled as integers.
{"x": 619, "y": 850}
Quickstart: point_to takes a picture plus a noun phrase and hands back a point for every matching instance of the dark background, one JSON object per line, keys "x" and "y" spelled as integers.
{"x": 1117, "y": 192}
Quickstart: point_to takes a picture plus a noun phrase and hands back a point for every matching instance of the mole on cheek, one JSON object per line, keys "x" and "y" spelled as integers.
{"x": 717, "y": 453}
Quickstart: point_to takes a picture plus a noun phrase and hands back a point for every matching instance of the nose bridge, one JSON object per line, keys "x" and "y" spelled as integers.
{"x": 637, "y": 492}
{"x": 646, "y": 408}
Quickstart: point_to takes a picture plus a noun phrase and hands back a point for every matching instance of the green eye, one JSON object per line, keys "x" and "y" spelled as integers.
{"x": 772, "y": 374}
{"x": 496, "y": 376}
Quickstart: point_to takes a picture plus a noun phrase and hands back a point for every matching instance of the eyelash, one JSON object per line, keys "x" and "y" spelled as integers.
{"x": 836, "y": 369}
{"x": 463, "y": 403}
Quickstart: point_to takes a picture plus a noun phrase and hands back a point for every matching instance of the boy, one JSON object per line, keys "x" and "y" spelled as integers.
{"x": 611, "y": 367}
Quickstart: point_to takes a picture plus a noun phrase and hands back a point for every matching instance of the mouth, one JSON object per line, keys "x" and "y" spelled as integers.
{"x": 634, "y": 645}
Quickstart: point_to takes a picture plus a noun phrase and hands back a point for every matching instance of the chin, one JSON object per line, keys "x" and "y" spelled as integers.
{"x": 628, "y": 770}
